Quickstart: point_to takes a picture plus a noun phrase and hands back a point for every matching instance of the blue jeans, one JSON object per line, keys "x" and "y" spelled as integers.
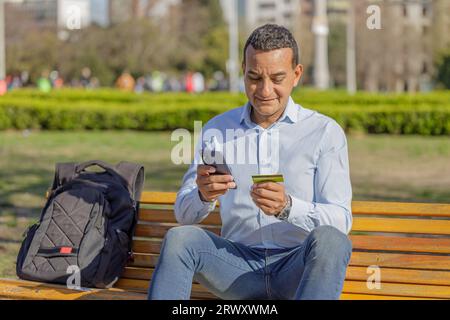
{"x": 314, "y": 270}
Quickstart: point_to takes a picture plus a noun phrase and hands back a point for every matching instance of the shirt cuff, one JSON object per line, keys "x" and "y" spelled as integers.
{"x": 300, "y": 214}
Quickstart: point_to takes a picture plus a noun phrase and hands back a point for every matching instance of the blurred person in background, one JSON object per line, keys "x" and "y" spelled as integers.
{"x": 218, "y": 82}
{"x": 148, "y": 82}
{"x": 140, "y": 85}
{"x": 56, "y": 80}
{"x": 157, "y": 81}
{"x": 125, "y": 82}
{"x": 189, "y": 82}
{"x": 95, "y": 83}
{"x": 24, "y": 78}
{"x": 85, "y": 79}
{"x": 198, "y": 82}
{"x": 3, "y": 87}
{"x": 15, "y": 82}
{"x": 174, "y": 84}
{"x": 43, "y": 83}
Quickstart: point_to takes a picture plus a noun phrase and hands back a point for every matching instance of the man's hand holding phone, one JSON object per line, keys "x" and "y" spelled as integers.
{"x": 212, "y": 185}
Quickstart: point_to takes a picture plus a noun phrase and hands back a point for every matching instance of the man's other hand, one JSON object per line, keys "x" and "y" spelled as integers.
{"x": 270, "y": 197}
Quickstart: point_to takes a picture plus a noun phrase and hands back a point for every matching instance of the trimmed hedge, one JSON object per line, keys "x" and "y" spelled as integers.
{"x": 69, "y": 109}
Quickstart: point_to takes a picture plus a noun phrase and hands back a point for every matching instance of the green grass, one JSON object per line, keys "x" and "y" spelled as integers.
{"x": 383, "y": 168}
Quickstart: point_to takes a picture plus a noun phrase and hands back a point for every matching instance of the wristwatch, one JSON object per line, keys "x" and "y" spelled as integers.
{"x": 284, "y": 214}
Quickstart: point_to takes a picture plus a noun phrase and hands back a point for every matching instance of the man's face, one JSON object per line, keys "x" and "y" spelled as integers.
{"x": 269, "y": 79}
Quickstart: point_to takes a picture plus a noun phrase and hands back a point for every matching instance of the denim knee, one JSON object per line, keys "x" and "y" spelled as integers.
{"x": 330, "y": 240}
{"x": 181, "y": 238}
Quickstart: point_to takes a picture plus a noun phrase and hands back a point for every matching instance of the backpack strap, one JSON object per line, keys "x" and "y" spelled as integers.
{"x": 64, "y": 172}
{"x": 134, "y": 175}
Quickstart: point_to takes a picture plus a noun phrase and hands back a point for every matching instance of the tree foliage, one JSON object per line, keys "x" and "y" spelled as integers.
{"x": 443, "y": 70}
{"x": 192, "y": 37}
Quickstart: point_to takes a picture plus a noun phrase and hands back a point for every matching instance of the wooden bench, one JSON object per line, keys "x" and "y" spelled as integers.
{"x": 409, "y": 242}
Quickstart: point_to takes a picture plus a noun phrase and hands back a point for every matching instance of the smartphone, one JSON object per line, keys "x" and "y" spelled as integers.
{"x": 209, "y": 158}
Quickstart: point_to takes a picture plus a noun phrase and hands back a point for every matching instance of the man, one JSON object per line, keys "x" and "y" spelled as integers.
{"x": 279, "y": 240}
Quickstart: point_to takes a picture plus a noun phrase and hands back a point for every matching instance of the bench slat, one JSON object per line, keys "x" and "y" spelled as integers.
{"x": 396, "y": 289}
{"x": 20, "y": 289}
{"x": 391, "y": 275}
{"x": 401, "y": 209}
{"x": 390, "y": 225}
{"x": 375, "y": 224}
{"x": 394, "y": 275}
{"x": 137, "y": 273}
{"x": 154, "y": 197}
{"x": 360, "y": 259}
{"x": 350, "y": 286}
{"x": 141, "y": 286}
{"x": 428, "y": 227}
{"x": 402, "y": 225}
{"x": 360, "y": 242}
{"x": 144, "y": 260}
{"x": 356, "y": 296}
{"x": 167, "y": 216}
{"x": 358, "y": 207}
{"x": 408, "y": 244}
{"x": 159, "y": 231}
{"x": 402, "y": 261}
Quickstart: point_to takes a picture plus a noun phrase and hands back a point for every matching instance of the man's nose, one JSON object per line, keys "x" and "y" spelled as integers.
{"x": 265, "y": 90}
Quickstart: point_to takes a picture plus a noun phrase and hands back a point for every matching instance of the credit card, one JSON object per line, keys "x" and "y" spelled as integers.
{"x": 267, "y": 177}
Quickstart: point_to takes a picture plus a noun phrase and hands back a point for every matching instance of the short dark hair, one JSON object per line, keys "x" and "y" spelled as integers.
{"x": 270, "y": 37}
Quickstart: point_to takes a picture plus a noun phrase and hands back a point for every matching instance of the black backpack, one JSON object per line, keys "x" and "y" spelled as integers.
{"x": 87, "y": 224}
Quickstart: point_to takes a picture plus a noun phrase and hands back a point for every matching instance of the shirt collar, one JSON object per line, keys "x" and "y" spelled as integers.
{"x": 290, "y": 113}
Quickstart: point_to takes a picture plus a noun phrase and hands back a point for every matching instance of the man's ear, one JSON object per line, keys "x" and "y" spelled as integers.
{"x": 298, "y": 71}
{"x": 243, "y": 67}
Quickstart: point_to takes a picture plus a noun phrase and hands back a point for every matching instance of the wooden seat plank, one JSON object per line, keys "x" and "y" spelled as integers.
{"x": 358, "y": 207}
{"x": 375, "y": 243}
{"x": 389, "y": 225}
{"x": 371, "y": 224}
{"x": 401, "y": 261}
{"x": 392, "y": 275}
{"x": 361, "y": 259}
{"x": 141, "y": 286}
{"x": 395, "y": 275}
{"x": 159, "y": 230}
{"x": 425, "y": 226}
{"x": 398, "y": 243}
{"x": 168, "y": 216}
{"x": 20, "y": 289}
{"x": 401, "y": 209}
{"x": 397, "y": 289}
{"x": 350, "y": 286}
{"x": 357, "y": 296}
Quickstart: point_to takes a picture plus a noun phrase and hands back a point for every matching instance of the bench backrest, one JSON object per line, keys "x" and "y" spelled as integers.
{"x": 406, "y": 244}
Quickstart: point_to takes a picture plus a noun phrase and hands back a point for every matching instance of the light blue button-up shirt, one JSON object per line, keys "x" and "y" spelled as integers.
{"x": 310, "y": 151}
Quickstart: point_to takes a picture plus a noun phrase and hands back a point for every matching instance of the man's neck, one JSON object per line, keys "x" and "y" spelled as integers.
{"x": 263, "y": 121}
